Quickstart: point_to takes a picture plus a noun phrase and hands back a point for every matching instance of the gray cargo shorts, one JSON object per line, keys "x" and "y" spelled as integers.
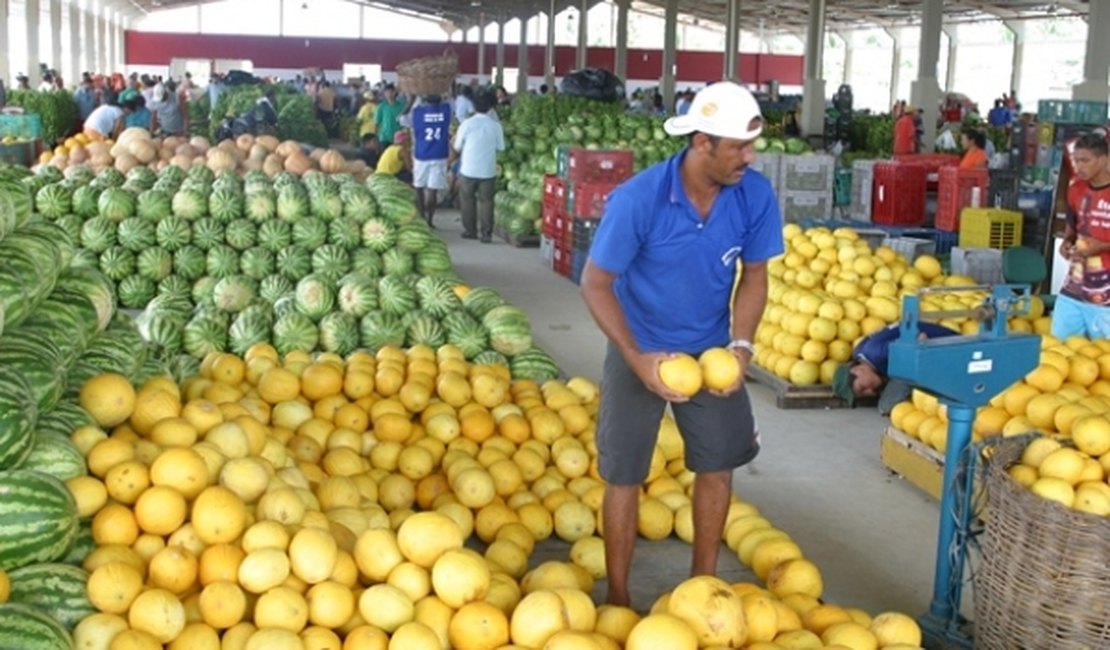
{"x": 719, "y": 433}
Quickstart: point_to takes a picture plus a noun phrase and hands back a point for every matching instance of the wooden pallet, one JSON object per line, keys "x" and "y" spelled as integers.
{"x": 516, "y": 241}
{"x": 790, "y": 396}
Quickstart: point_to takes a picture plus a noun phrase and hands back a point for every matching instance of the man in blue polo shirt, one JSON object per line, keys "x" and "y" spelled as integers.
{"x": 659, "y": 280}
{"x": 866, "y": 374}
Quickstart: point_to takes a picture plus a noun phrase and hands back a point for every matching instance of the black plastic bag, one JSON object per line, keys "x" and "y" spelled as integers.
{"x": 240, "y": 78}
{"x": 593, "y": 83}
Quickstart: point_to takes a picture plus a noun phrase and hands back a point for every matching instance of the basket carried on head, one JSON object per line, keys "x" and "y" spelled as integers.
{"x": 430, "y": 75}
{"x": 1044, "y": 581}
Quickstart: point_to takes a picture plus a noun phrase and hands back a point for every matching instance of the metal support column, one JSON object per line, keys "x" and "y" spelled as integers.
{"x": 670, "y": 47}
{"x": 849, "y": 51}
{"x": 5, "y": 63}
{"x": 925, "y": 91}
{"x": 56, "y": 38}
{"x": 499, "y": 78}
{"x": 813, "y": 93}
{"x": 102, "y": 39}
{"x": 32, "y": 15}
{"x": 581, "y": 55}
{"x": 620, "y": 55}
{"x": 88, "y": 43}
{"x": 732, "y": 40}
{"x": 522, "y": 58}
{"x": 1017, "y": 61}
{"x": 74, "y": 45}
{"x": 1096, "y": 65}
{"x": 121, "y": 49}
{"x": 549, "y": 49}
{"x": 481, "y": 48}
{"x": 953, "y": 50}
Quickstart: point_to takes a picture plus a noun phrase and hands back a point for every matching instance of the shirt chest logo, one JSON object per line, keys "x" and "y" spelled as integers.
{"x": 729, "y": 257}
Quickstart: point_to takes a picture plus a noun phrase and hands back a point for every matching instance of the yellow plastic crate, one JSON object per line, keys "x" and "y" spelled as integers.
{"x": 989, "y": 228}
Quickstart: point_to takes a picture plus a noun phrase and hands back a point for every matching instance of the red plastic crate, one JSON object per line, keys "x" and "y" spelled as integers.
{"x": 955, "y": 191}
{"x": 599, "y": 166}
{"x": 932, "y": 163}
{"x": 587, "y": 200}
{"x": 554, "y": 191}
{"x": 554, "y": 220}
{"x": 561, "y": 262}
{"x": 899, "y": 194}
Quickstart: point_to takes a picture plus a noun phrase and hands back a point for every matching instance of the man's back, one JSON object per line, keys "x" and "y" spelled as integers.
{"x": 431, "y": 129}
{"x": 478, "y": 140}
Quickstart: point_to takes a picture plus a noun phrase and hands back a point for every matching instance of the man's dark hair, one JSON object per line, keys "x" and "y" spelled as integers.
{"x": 369, "y": 137}
{"x": 976, "y": 136}
{"x": 483, "y": 101}
{"x": 468, "y": 92}
{"x": 1093, "y": 142}
{"x": 543, "y": 89}
{"x": 713, "y": 139}
{"x": 432, "y": 99}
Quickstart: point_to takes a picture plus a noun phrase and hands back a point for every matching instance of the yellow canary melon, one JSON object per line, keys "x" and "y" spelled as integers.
{"x": 710, "y": 607}
{"x": 662, "y": 632}
{"x": 720, "y": 368}
{"x": 109, "y": 398}
{"x": 682, "y": 374}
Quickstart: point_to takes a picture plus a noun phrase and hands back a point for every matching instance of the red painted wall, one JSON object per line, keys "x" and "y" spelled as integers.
{"x": 151, "y": 48}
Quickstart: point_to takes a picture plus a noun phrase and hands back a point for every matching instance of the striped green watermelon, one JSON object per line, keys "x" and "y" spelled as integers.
{"x": 38, "y": 519}
{"x": 325, "y": 204}
{"x": 136, "y": 234}
{"x": 240, "y": 234}
{"x": 135, "y": 291}
{"x": 164, "y": 330}
{"x": 274, "y": 286}
{"x": 466, "y": 333}
{"x": 357, "y": 295}
{"x": 395, "y": 296}
{"x": 331, "y": 261}
{"x": 310, "y": 232}
{"x": 379, "y": 329}
{"x": 294, "y": 262}
{"x": 425, "y": 331}
{"x": 207, "y": 233}
{"x": 256, "y": 262}
{"x": 175, "y": 286}
{"x": 38, "y": 361}
{"x": 292, "y": 203}
{"x": 397, "y": 262}
{"x": 339, "y": 333}
{"x": 222, "y": 261}
{"x": 82, "y": 545}
{"x": 225, "y": 206}
{"x": 201, "y": 175}
{"x": 94, "y": 287}
{"x": 345, "y": 232}
{"x": 534, "y": 364}
{"x": 286, "y": 304}
{"x": 153, "y": 205}
{"x": 18, "y": 416}
{"x": 379, "y": 235}
{"x": 142, "y": 176}
{"x": 203, "y": 335}
{"x": 251, "y": 326}
{"x": 315, "y": 296}
{"x": 366, "y": 262}
{"x": 260, "y": 205}
{"x": 117, "y": 263}
{"x": 176, "y": 305}
{"x": 274, "y": 235}
{"x": 320, "y": 183}
{"x": 190, "y": 204}
{"x": 85, "y": 201}
{"x": 65, "y": 418}
{"x": 55, "y": 455}
{"x": 510, "y": 331}
{"x": 66, "y": 321}
{"x": 116, "y": 204}
{"x": 398, "y": 209}
{"x": 413, "y": 237}
{"x": 57, "y": 590}
{"x": 53, "y": 201}
{"x": 233, "y": 293}
{"x": 434, "y": 259}
{"x": 190, "y": 262}
{"x": 202, "y": 290}
{"x": 491, "y": 358}
{"x": 437, "y": 297}
{"x": 358, "y": 203}
{"x": 98, "y": 234}
{"x": 172, "y": 233}
{"x": 154, "y": 263}
{"x": 480, "y": 300}
{"x": 26, "y": 628}
{"x": 295, "y": 331}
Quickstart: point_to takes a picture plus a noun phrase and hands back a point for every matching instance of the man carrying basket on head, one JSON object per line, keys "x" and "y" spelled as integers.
{"x": 431, "y": 132}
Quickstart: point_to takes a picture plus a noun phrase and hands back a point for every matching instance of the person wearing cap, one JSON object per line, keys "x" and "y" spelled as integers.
{"x": 659, "y": 281}
{"x": 905, "y": 132}
{"x": 396, "y": 160}
{"x": 866, "y": 374}
{"x": 367, "y": 125}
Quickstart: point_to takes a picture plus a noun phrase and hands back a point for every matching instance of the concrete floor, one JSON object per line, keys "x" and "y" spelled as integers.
{"x": 818, "y": 477}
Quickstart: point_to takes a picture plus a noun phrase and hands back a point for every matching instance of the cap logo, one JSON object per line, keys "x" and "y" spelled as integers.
{"x": 709, "y": 110}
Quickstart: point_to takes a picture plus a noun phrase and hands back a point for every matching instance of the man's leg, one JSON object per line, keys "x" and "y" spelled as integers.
{"x": 468, "y": 188}
{"x": 430, "y": 202}
{"x": 620, "y": 511}
{"x": 486, "y": 187}
{"x": 711, "y": 497}
{"x": 419, "y": 197}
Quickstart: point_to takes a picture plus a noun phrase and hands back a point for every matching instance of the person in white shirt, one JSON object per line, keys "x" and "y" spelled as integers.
{"x": 478, "y": 140}
{"x": 464, "y": 104}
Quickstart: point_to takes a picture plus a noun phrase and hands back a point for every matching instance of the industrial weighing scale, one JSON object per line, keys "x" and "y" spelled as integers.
{"x": 964, "y": 372}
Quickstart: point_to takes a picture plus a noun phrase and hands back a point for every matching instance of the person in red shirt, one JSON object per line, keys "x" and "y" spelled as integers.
{"x": 1083, "y": 307}
{"x": 974, "y": 143}
{"x": 905, "y": 133}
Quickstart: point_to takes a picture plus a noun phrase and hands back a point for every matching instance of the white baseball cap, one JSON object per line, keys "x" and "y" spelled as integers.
{"x": 723, "y": 109}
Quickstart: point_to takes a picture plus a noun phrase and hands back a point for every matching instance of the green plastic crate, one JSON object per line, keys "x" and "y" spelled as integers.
{"x": 842, "y": 186}
{"x": 26, "y": 127}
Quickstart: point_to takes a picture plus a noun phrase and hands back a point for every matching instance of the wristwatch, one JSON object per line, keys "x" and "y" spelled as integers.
{"x": 743, "y": 344}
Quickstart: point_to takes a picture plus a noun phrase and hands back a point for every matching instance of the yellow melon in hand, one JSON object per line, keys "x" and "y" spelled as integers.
{"x": 109, "y": 398}
{"x": 720, "y": 368}
{"x": 682, "y": 374}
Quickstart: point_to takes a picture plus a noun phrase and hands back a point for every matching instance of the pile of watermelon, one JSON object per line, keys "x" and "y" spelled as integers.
{"x": 58, "y": 327}
{"x": 220, "y": 262}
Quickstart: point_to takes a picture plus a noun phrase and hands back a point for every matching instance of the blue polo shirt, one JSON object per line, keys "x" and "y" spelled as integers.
{"x": 675, "y": 272}
{"x": 874, "y": 349}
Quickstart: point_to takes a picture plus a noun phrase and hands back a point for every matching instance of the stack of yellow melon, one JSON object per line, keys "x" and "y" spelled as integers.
{"x": 275, "y": 503}
{"x": 1071, "y": 472}
{"x": 830, "y": 289}
{"x": 1072, "y": 382}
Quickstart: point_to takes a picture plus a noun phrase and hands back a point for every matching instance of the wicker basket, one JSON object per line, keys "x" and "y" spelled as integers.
{"x": 432, "y": 75}
{"x": 1044, "y": 582}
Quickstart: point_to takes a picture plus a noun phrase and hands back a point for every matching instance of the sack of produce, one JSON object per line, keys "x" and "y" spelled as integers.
{"x": 593, "y": 83}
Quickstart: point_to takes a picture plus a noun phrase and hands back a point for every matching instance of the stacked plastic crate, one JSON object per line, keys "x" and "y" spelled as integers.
{"x": 554, "y": 217}
{"x": 770, "y": 165}
{"x": 958, "y": 189}
{"x": 863, "y": 186}
{"x": 579, "y": 193}
{"x": 26, "y": 131}
{"x": 899, "y": 194}
{"x": 805, "y": 188}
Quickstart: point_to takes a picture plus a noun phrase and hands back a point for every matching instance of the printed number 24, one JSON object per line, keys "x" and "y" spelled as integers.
{"x": 431, "y": 134}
